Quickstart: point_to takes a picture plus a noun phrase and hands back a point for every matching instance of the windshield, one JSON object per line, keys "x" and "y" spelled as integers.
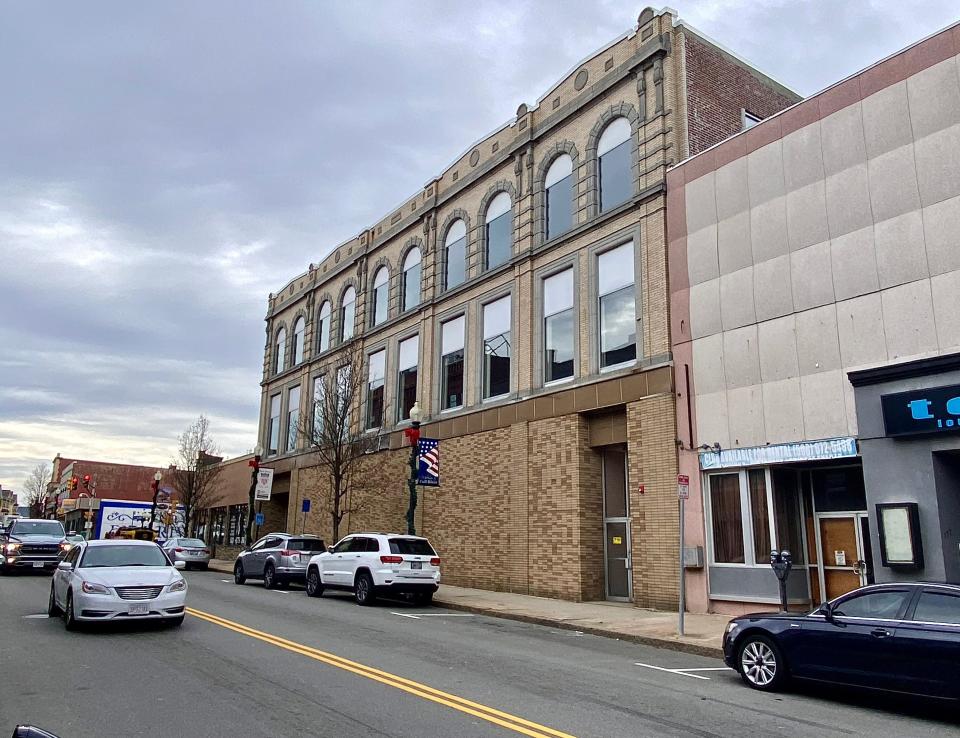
{"x": 190, "y": 543}
{"x": 100, "y": 556}
{"x": 39, "y": 528}
{"x": 306, "y": 544}
{"x": 411, "y": 547}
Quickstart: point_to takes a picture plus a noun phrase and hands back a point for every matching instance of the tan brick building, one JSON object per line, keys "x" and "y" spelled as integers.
{"x": 521, "y": 298}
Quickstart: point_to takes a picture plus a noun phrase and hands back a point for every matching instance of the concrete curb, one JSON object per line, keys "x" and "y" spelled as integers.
{"x": 669, "y": 644}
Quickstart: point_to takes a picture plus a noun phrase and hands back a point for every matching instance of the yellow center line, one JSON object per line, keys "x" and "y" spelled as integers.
{"x": 503, "y": 719}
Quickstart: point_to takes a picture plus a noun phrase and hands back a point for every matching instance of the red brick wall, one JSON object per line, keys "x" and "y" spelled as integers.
{"x": 718, "y": 87}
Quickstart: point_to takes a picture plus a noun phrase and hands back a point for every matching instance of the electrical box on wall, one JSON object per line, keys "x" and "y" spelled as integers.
{"x": 693, "y": 557}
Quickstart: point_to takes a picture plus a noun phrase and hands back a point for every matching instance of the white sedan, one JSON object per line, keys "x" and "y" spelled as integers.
{"x": 117, "y": 580}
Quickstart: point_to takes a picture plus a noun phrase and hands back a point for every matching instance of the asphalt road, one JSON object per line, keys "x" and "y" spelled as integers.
{"x": 252, "y": 662}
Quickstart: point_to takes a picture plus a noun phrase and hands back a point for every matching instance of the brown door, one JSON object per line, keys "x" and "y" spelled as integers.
{"x": 841, "y": 554}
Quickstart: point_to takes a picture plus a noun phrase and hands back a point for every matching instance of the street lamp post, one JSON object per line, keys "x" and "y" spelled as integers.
{"x": 413, "y": 433}
{"x": 254, "y": 468}
{"x": 156, "y": 491}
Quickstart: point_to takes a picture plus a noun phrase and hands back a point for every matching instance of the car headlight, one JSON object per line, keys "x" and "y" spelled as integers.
{"x": 731, "y": 626}
{"x": 94, "y": 589}
{"x": 178, "y": 586}
{"x": 65, "y": 546}
{"x": 11, "y": 547}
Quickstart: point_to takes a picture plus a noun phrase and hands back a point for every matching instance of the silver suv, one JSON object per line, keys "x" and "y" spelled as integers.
{"x": 277, "y": 559}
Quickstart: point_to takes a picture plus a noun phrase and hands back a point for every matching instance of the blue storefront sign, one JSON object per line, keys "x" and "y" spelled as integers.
{"x": 428, "y": 464}
{"x": 933, "y": 410}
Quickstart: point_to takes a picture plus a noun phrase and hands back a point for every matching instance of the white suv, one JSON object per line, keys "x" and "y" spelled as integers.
{"x": 369, "y": 564}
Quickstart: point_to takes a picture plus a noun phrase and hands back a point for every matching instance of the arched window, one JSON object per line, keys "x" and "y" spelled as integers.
{"x": 299, "y": 328}
{"x": 348, "y": 313}
{"x": 411, "y": 279}
{"x": 558, "y": 196}
{"x": 379, "y": 297}
{"x": 455, "y": 246}
{"x": 613, "y": 157}
{"x": 280, "y": 351}
{"x": 323, "y": 327}
{"x": 499, "y": 225}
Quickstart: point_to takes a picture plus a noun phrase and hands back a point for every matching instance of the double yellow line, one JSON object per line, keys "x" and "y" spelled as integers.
{"x": 503, "y": 719}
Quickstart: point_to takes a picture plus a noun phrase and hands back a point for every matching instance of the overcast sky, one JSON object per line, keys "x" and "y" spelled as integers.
{"x": 164, "y": 166}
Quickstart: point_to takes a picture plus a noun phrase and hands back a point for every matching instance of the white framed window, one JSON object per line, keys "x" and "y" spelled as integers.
{"x": 375, "y": 388}
{"x": 558, "y": 196}
{"x": 496, "y": 348}
{"x": 293, "y": 418}
{"x": 319, "y": 405}
{"x": 379, "y": 298}
{"x": 323, "y": 327}
{"x": 280, "y": 351}
{"x": 617, "y": 306}
{"x": 455, "y": 245}
{"x": 451, "y": 363}
{"x": 348, "y": 313}
{"x": 299, "y": 329}
{"x": 409, "y": 359}
{"x": 613, "y": 162}
{"x": 558, "y": 326}
{"x": 499, "y": 226}
{"x": 273, "y": 431}
{"x": 411, "y": 279}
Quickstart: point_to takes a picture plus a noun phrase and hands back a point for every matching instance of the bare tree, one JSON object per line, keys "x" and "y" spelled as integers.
{"x": 335, "y": 432}
{"x": 196, "y": 470}
{"x": 35, "y": 487}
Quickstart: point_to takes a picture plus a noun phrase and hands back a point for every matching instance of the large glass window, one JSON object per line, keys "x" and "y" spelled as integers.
{"x": 558, "y": 326}
{"x": 727, "y": 519}
{"x": 558, "y": 187}
{"x": 323, "y": 327}
{"x": 499, "y": 225}
{"x": 280, "y": 352}
{"x": 496, "y": 348}
{"x": 380, "y": 290}
{"x": 787, "y": 516}
{"x": 293, "y": 417}
{"x": 613, "y": 154}
{"x": 299, "y": 329}
{"x": 319, "y": 406}
{"x": 455, "y": 245}
{"x": 411, "y": 279}
{"x": 617, "y": 309}
{"x": 348, "y": 313}
{"x": 409, "y": 357}
{"x": 759, "y": 514}
{"x": 273, "y": 432}
{"x": 375, "y": 389}
{"x": 451, "y": 363}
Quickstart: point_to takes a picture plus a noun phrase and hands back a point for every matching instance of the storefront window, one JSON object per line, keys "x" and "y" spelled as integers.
{"x": 787, "y": 518}
{"x": 727, "y": 519}
{"x": 238, "y": 524}
{"x": 760, "y": 515}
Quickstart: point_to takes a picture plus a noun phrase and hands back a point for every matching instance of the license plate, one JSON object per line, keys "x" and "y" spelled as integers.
{"x": 37, "y": 564}
{"x": 416, "y": 564}
{"x": 141, "y": 608}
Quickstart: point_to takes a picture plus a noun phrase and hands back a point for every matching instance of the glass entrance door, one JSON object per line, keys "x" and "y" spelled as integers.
{"x": 616, "y": 525}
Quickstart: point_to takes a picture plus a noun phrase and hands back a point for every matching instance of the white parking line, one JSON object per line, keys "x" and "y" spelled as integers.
{"x": 433, "y": 615}
{"x": 684, "y": 672}
{"x": 226, "y": 580}
{"x": 38, "y": 616}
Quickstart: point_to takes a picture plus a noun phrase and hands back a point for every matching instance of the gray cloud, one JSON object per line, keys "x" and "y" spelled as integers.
{"x": 165, "y": 166}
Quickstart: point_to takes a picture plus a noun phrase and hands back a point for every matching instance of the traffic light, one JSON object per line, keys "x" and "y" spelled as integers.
{"x": 86, "y": 481}
{"x": 72, "y": 484}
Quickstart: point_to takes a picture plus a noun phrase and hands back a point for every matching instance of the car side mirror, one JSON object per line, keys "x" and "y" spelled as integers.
{"x": 65, "y": 566}
{"x": 330, "y": 549}
{"x": 179, "y": 564}
{"x": 826, "y": 609}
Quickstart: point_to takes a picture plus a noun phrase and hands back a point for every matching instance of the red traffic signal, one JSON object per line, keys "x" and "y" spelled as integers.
{"x": 86, "y": 481}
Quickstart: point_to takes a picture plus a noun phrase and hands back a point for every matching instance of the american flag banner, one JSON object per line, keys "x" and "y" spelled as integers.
{"x": 428, "y": 450}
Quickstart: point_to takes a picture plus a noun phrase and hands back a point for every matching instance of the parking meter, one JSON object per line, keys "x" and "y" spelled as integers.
{"x": 782, "y": 563}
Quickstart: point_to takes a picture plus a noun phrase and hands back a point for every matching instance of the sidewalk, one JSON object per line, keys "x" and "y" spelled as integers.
{"x": 610, "y": 619}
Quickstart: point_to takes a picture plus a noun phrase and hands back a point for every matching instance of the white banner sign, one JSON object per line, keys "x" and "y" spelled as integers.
{"x": 264, "y": 485}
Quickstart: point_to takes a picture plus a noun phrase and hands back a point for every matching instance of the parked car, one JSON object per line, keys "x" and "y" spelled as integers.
{"x": 191, "y": 551}
{"x": 277, "y": 559}
{"x": 371, "y": 564}
{"x": 34, "y": 544}
{"x": 899, "y": 637}
{"x": 117, "y": 580}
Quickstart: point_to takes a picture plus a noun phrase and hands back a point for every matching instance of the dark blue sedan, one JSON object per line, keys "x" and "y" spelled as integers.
{"x": 899, "y": 637}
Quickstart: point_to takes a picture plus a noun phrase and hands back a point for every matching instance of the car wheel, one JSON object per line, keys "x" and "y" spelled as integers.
{"x": 52, "y": 609}
{"x": 761, "y": 664}
{"x": 69, "y": 619}
{"x": 423, "y": 598}
{"x": 363, "y": 589}
{"x": 175, "y": 622}
{"x": 238, "y": 576}
{"x": 269, "y": 577}
{"x": 314, "y": 583}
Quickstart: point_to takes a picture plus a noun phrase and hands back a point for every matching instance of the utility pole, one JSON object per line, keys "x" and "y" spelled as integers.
{"x": 413, "y": 433}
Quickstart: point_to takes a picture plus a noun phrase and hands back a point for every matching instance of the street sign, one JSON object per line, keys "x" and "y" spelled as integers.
{"x": 258, "y": 519}
{"x": 305, "y": 506}
{"x": 428, "y": 462}
{"x": 264, "y": 485}
{"x": 88, "y": 525}
{"x": 683, "y": 486}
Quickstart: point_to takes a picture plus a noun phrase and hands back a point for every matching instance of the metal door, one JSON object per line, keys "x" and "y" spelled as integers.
{"x": 616, "y": 525}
